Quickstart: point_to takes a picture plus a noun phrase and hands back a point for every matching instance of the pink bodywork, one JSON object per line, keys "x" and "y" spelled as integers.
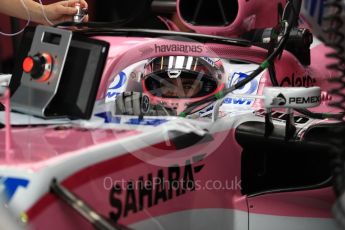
{"x": 251, "y": 15}
{"x": 54, "y": 145}
{"x": 89, "y": 184}
{"x": 38, "y": 148}
{"x": 48, "y": 146}
{"x": 122, "y": 53}
{"x": 35, "y": 148}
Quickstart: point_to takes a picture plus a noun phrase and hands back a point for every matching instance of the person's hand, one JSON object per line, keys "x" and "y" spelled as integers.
{"x": 63, "y": 11}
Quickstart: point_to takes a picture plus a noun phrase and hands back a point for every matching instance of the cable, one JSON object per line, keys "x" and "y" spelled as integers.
{"x": 306, "y": 112}
{"x": 287, "y": 25}
{"x": 44, "y": 13}
{"x": 265, "y": 64}
{"x": 29, "y": 19}
{"x": 26, "y": 25}
{"x": 294, "y": 13}
{"x": 116, "y": 24}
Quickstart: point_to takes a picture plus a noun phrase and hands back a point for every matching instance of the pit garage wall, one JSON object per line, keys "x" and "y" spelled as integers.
{"x": 6, "y": 45}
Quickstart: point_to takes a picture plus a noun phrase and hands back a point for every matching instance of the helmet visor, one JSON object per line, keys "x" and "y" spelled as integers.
{"x": 180, "y": 77}
{"x": 187, "y": 85}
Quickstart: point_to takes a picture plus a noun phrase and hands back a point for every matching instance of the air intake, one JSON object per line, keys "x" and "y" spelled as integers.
{"x": 208, "y": 12}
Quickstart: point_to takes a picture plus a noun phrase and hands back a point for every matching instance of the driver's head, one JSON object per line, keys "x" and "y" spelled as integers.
{"x": 175, "y": 81}
{"x": 181, "y": 88}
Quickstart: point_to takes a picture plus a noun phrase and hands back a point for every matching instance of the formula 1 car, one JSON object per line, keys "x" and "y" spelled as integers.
{"x": 116, "y": 128}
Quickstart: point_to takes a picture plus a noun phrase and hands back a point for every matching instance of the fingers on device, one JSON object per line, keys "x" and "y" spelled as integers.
{"x": 57, "y": 73}
{"x": 81, "y": 12}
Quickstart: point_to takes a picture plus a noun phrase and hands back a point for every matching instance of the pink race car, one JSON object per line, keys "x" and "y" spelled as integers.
{"x": 150, "y": 129}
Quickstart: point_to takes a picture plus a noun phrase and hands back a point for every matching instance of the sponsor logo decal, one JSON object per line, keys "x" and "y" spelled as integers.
{"x": 214, "y": 63}
{"x": 237, "y": 101}
{"x": 249, "y": 89}
{"x": 206, "y": 110}
{"x": 296, "y": 81}
{"x": 305, "y": 100}
{"x": 145, "y": 121}
{"x": 10, "y": 185}
{"x": 178, "y": 48}
{"x": 145, "y": 104}
{"x": 154, "y": 188}
{"x": 114, "y": 89}
{"x": 110, "y": 119}
{"x": 280, "y": 100}
{"x": 209, "y": 61}
{"x": 174, "y": 73}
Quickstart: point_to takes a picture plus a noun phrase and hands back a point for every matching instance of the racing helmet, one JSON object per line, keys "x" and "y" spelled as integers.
{"x": 175, "y": 81}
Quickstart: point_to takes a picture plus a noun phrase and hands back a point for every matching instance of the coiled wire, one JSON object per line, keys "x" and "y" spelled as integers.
{"x": 333, "y": 23}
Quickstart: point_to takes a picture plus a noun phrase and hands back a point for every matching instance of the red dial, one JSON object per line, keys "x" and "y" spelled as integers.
{"x": 28, "y": 64}
{"x": 38, "y": 66}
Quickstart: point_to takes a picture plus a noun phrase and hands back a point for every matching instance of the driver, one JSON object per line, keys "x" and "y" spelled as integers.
{"x": 175, "y": 81}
